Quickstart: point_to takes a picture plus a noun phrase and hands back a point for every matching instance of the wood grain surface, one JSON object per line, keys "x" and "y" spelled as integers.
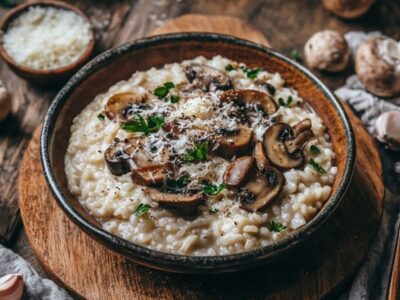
{"x": 286, "y": 23}
{"x": 317, "y": 269}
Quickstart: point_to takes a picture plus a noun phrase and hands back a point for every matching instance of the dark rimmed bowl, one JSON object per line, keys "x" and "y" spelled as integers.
{"x": 44, "y": 77}
{"x": 119, "y": 64}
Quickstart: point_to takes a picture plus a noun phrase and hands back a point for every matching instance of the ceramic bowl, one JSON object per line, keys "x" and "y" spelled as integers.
{"x": 119, "y": 64}
{"x": 44, "y": 77}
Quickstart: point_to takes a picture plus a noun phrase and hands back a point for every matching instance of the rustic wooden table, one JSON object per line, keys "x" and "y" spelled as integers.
{"x": 286, "y": 23}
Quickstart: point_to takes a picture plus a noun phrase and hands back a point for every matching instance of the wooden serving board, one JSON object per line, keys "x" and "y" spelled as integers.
{"x": 318, "y": 268}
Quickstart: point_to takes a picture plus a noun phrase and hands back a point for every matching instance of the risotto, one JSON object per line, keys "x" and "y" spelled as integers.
{"x": 201, "y": 157}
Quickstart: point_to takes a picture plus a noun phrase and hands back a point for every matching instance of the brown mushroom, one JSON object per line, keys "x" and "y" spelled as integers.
{"x": 184, "y": 203}
{"x": 348, "y": 9}
{"x": 283, "y": 145}
{"x": 259, "y": 155}
{"x": 118, "y": 157}
{"x": 121, "y": 106}
{"x": 238, "y": 171}
{"x": 151, "y": 175}
{"x": 206, "y": 78}
{"x": 246, "y": 97}
{"x": 262, "y": 190}
{"x": 236, "y": 142}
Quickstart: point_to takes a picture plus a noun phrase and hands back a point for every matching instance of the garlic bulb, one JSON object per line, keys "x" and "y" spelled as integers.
{"x": 5, "y": 102}
{"x": 11, "y": 287}
{"x": 388, "y": 129}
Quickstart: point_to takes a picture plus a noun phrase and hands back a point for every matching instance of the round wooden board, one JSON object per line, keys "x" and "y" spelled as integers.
{"x": 317, "y": 269}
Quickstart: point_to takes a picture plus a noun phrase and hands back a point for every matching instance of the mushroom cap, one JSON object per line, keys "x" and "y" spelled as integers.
{"x": 234, "y": 144}
{"x": 348, "y": 9}
{"x": 327, "y": 51}
{"x": 388, "y": 129}
{"x": 5, "y": 103}
{"x": 237, "y": 171}
{"x": 117, "y": 107}
{"x": 206, "y": 78}
{"x": 378, "y": 75}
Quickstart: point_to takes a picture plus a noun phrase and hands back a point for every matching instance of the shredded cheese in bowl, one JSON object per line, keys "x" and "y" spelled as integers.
{"x": 47, "y": 38}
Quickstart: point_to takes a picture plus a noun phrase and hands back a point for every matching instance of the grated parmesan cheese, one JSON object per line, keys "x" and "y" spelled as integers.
{"x": 45, "y": 38}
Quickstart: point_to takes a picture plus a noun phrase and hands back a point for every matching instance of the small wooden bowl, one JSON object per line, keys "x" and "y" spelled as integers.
{"x": 119, "y": 64}
{"x": 44, "y": 77}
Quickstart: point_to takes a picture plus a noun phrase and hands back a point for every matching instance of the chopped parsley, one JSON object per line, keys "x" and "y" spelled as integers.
{"x": 316, "y": 166}
{"x": 101, "y": 117}
{"x": 275, "y": 226}
{"x": 213, "y": 189}
{"x": 174, "y": 99}
{"x": 178, "y": 184}
{"x": 287, "y": 103}
{"x": 141, "y": 209}
{"x": 162, "y": 91}
{"x": 229, "y": 67}
{"x": 213, "y": 210}
{"x": 196, "y": 154}
{"x": 252, "y": 73}
{"x": 314, "y": 149}
{"x": 295, "y": 54}
{"x": 139, "y": 124}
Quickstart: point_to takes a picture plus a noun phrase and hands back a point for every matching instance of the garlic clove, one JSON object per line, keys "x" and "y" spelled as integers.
{"x": 388, "y": 129}
{"x": 11, "y": 287}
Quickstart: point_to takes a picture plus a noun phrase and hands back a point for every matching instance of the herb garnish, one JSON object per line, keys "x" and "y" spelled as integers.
{"x": 252, "y": 73}
{"x": 196, "y": 154}
{"x": 101, "y": 117}
{"x": 213, "y": 189}
{"x": 295, "y": 53}
{"x": 229, "y": 67}
{"x": 162, "y": 91}
{"x": 174, "y": 99}
{"x": 314, "y": 149}
{"x": 275, "y": 226}
{"x": 139, "y": 124}
{"x": 287, "y": 103}
{"x": 316, "y": 166}
{"x": 178, "y": 184}
{"x": 213, "y": 210}
{"x": 141, "y": 209}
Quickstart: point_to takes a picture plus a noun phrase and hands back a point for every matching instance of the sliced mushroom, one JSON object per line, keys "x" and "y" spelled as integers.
{"x": 259, "y": 155}
{"x": 234, "y": 142}
{"x": 184, "y": 203}
{"x": 246, "y": 97}
{"x": 122, "y": 106}
{"x": 118, "y": 157}
{"x": 207, "y": 78}
{"x": 151, "y": 175}
{"x": 283, "y": 145}
{"x": 262, "y": 190}
{"x": 237, "y": 172}
{"x": 129, "y": 155}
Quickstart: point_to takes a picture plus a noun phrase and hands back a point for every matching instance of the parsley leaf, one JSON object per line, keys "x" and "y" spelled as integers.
{"x": 101, "y": 117}
{"x": 196, "y": 154}
{"x": 213, "y": 210}
{"x": 162, "y": 91}
{"x": 252, "y": 73}
{"x": 229, "y": 67}
{"x": 316, "y": 166}
{"x": 178, "y": 184}
{"x": 174, "y": 99}
{"x": 141, "y": 209}
{"x": 314, "y": 149}
{"x": 213, "y": 189}
{"x": 275, "y": 226}
{"x": 287, "y": 103}
{"x": 139, "y": 124}
{"x": 295, "y": 53}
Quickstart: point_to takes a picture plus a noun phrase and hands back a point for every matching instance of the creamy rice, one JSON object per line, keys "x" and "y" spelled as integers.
{"x": 220, "y": 226}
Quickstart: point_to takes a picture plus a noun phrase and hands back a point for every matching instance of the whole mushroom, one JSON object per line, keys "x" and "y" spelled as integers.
{"x": 327, "y": 51}
{"x": 388, "y": 129}
{"x": 377, "y": 65}
{"x": 348, "y": 9}
{"x": 5, "y": 102}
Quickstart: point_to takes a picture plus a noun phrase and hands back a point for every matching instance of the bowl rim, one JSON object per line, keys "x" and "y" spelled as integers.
{"x": 174, "y": 261}
{"x": 17, "y": 11}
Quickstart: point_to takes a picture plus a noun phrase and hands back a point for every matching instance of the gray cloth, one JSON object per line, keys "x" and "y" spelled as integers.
{"x": 35, "y": 286}
{"x": 372, "y": 280}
